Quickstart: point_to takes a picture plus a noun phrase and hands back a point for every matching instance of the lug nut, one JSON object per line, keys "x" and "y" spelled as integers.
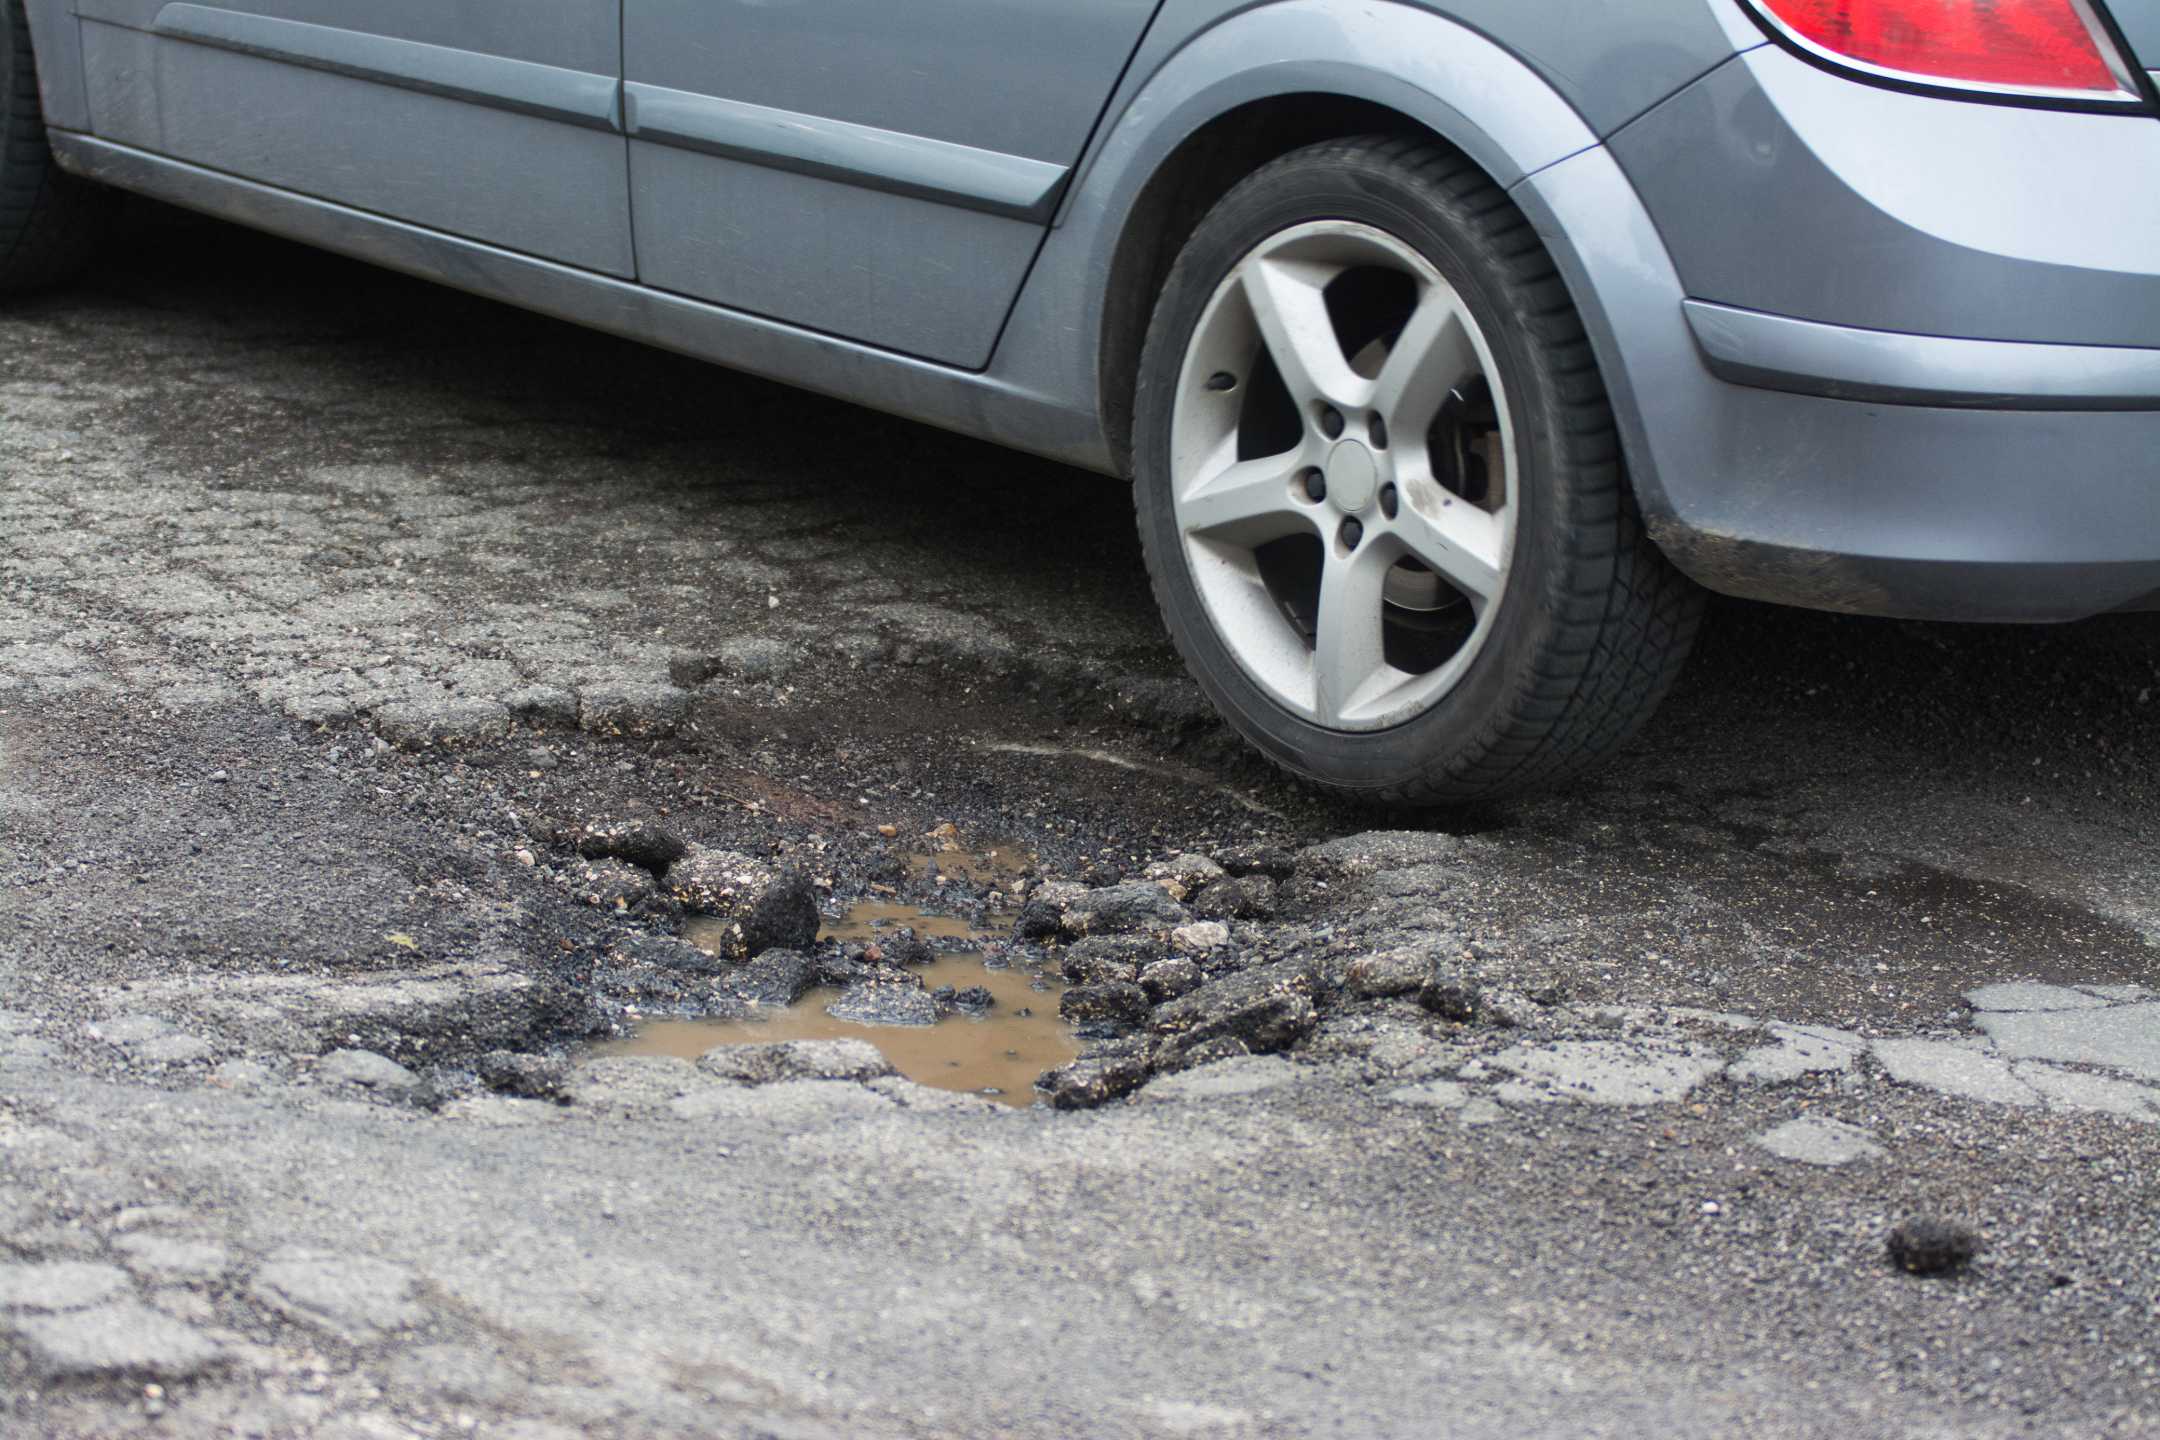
{"x": 1352, "y": 532}
{"x": 1390, "y": 502}
{"x": 1331, "y": 422}
{"x": 1222, "y": 380}
{"x": 1378, "y": 431}
{"x": 1315, "y": 486}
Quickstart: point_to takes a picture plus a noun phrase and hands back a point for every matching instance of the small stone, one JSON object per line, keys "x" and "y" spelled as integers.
{"x": 760, "y": 907}
{"x": 365, "y": 1068}
{"x": 1168, "y": 979}
{"x": 1247, "y": 897}
{"x": 643, "y": 843}
{"x": 1113, "y": 1005}
{"x": 689, "y": 669}
{"x": 524, "y": 857}
{"x": 534, "y": 1077}
{"x": 1932, "y": 1247}
{"x": 1043, "y": 916}
{"x": 975, "y": 1000}
{"x": 1102, "y": 958}
{"x": 609, "y": 884}
{"x": 1449, "y": 998}
{"x": 1266, "y": 1009}
{"x": 755, "y": 657}
{"x": 775, "y": 978}
{"x": 543, "y": 705}
{"x": 638, "y": 709}
{"x": 1123, "y": 909}
{"x": 901, "y": 947}
{"x": 1390, "y": 972}
{"x": 1094, "y": 1080}
{"x": 1273, "y": 861}
{"x": 1201, "y": 937}
{"x": 885, "y": 1002}
{"x": 1182, "y": 875}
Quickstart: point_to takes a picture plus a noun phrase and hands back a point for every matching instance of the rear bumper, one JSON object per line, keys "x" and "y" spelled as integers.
{"x": 1921, "y": 511}
{"x": 1806, "y": 357}
{"x": 1949, "y": 414}
{"x": 1924, "y": 476}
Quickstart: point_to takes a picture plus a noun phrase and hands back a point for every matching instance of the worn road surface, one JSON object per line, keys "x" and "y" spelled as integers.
{"x": 335, "y": 609}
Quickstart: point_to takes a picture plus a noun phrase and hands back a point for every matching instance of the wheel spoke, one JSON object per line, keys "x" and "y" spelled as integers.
{"x": 1432, "y": 356}
{"x": 1245, "y": 502}
{"x": 1459, "y": 542}
{"x": 1349, "y": 655}
{"x": 1290, "y": 308}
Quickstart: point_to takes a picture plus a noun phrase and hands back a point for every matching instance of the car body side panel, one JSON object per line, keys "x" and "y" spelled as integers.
{"x": 570, "y": 34}
{"x": 263, "y": 119}
{"x": 879, "y": 171}
{"x": 968, "y": 402}
{"x": 1020, "y": 77}
{"x": 515, "y": 149}
{"x": 56, "y": 36}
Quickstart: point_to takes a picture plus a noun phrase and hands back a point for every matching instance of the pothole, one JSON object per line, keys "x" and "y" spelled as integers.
{"x": 996, "y": 1050}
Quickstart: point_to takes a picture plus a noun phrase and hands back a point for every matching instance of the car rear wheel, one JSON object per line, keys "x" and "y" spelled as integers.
{"x": 1380, "y": 491}
{"x": 50, "y": 222}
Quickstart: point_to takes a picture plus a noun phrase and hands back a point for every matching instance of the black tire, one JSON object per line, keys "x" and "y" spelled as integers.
{"x": 50, "y": 222}
{"x": 1593, "y": 624}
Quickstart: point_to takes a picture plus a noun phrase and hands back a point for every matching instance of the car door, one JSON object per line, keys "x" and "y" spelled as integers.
{"x": 877, "y": 169}
{"x": 494, "y": 119}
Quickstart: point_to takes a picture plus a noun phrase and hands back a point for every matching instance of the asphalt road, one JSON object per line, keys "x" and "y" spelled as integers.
{"x": 332, "y": 605}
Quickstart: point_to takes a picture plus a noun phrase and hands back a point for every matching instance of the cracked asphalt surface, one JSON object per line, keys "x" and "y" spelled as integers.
{"x": 328, "y": 600}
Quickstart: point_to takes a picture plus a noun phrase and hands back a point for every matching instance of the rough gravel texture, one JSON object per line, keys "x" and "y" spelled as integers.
{"x": 361, "y": 645}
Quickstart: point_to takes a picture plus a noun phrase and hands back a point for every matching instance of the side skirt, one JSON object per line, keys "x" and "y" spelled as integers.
{"x": 968, "y": 402}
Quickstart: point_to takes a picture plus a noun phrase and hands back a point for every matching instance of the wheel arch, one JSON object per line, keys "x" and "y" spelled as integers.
{"x": 1201, "y": 111}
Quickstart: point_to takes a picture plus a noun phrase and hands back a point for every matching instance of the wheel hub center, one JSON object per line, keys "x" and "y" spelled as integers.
{"x": 1352, "y": 477}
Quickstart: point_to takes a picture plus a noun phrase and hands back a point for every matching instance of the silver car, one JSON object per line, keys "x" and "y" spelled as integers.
{"x": 1451, "y": 346}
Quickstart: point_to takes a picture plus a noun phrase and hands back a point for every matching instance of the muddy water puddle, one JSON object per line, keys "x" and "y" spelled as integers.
{"x": 997, "y": 1054}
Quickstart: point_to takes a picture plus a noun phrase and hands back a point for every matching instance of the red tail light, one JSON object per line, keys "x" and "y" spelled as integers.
{"x": 2045, "y": 47}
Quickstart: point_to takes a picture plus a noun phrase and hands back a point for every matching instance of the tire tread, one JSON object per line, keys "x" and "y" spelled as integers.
{"x": 1627, "y": 618}
{"x": 50, "y": 222}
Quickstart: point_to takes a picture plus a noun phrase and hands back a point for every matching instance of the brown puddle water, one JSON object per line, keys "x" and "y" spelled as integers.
{"x": 998, "y": 1055}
